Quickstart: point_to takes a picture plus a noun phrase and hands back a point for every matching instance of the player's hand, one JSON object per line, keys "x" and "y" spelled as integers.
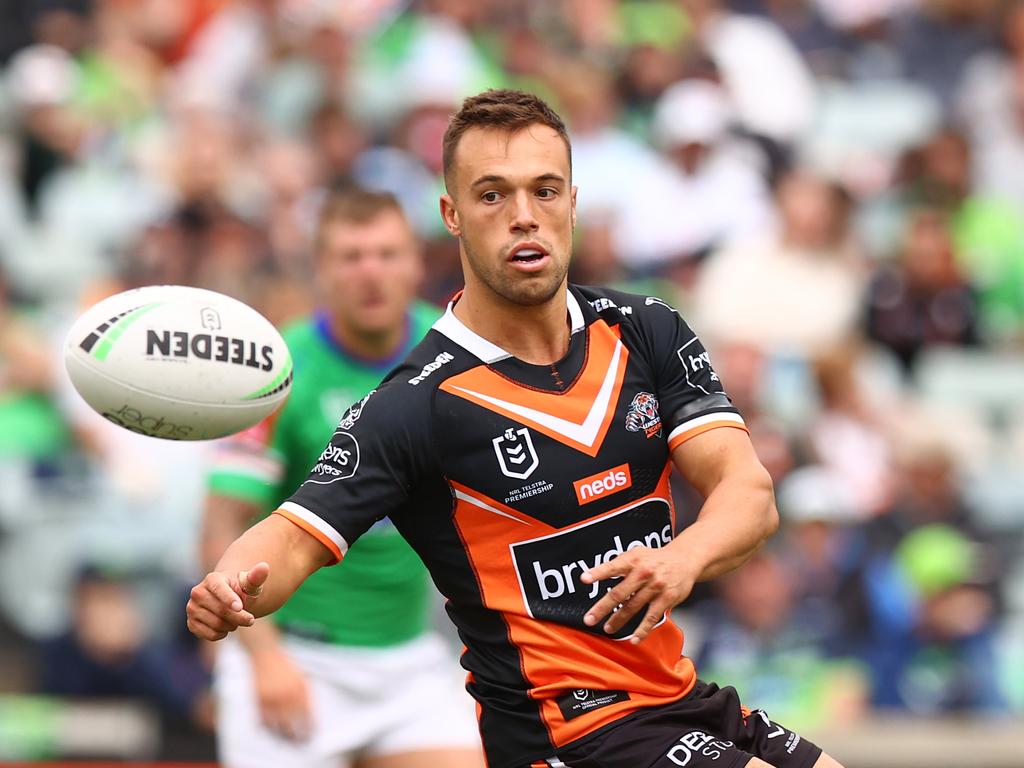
{"x": 650, "y": 577}
{"x": 282, "y": 694}
{"x": 217, "y": 605}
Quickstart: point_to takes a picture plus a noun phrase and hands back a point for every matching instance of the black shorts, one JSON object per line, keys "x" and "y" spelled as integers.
{"x": 708, "y": 728}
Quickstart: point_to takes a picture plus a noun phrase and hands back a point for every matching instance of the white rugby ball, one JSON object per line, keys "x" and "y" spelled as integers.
{"x": 178, "y": 363}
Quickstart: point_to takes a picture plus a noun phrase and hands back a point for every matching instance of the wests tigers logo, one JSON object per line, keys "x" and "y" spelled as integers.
{"x": 643, "y": 415}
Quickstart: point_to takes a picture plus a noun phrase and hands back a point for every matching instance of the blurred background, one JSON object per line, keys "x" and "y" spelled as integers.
{"x": 831, "y": 191}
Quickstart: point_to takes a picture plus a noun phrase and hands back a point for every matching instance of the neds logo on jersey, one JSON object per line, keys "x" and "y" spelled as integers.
{"x": 549, "y": 568}
{"x": 602, "y": 484}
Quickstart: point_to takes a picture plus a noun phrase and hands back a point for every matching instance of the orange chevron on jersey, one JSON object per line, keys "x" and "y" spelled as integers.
{"x": 579, "y": 416}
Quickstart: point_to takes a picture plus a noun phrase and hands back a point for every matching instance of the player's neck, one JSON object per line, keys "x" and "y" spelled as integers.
{"x": 537, "y": 334}
{"x": 371, "y": 348}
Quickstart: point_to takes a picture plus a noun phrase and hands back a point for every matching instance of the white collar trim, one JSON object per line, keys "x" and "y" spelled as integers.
{"x": 576, "y": 321}
{"x": 459, "y": 332}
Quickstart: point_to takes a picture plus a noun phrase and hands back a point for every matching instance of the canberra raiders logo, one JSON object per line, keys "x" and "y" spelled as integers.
{"x": 643, "y": 415}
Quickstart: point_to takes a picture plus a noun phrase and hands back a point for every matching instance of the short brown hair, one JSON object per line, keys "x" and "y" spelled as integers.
{"x": 354, "y": 205}
{"x": 500, "y": 108}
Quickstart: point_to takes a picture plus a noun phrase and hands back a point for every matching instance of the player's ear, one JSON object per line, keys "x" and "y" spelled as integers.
{"x": 573, "y": 205}
{"x": 450, "y": 215}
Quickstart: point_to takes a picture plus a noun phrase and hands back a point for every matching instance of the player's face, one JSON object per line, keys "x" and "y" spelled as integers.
{"x": 513, "y": 209}
{"x": 369, "y": 272}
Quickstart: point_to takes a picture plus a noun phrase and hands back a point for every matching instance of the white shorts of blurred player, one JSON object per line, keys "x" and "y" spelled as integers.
{"x": 366, "y": 702}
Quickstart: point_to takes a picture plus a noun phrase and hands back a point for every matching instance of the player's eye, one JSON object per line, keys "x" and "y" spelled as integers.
{"x": 491, "y": 196}
{"x": 546, "y": 193}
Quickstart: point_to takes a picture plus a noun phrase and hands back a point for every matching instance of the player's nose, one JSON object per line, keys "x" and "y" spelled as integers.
{"x": 524, "y": 217}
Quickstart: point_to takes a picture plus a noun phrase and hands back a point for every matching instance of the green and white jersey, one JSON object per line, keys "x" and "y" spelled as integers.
{"x": 378, "y": 596}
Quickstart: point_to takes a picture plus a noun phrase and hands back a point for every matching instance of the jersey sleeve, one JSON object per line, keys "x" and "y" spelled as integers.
{"x": 249, "y": 466}
{"x": 691, "y": 396}
{"x": 376, "y": 458}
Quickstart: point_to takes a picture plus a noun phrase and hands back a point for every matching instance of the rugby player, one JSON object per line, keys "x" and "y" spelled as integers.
{"x": 339, "y": 676}
{"x": 523, "y": 449}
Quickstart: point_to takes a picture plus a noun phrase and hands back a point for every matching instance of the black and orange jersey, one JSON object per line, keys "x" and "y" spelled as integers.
{"x": 511, "y": 479}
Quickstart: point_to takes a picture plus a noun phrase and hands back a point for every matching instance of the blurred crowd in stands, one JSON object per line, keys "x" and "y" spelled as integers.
{"x": 831, "y": 191}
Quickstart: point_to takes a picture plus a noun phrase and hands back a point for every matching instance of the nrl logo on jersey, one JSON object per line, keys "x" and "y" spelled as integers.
{"x": 516, "y": 455}
{"x": 643, "y": 415}
{"x": 353, "y": 413}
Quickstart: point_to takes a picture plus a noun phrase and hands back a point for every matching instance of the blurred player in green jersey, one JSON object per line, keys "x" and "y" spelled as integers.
{"x": 347, "y": 673}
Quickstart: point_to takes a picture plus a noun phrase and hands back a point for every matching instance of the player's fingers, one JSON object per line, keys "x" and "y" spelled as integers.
{"x": 218, "y": 586}
{"x": 611, "y": 599}
{"x": 202, "y": 597}
{"x": 304, "y": 728}
{"x": 635, "y": 575}
{"x": 252, "y": 581}
{"x": 209, "y": 619}
{"x": 302, "y": 713}
{"x": 629, "y": 608}
{"x": 285, "y": 729}
{"x": 204, "y": 632}
{"x": 274, "y": 721}
{"x": 286, "y": 723}
{"x": 295, "y": 728}
{"x": 300, "y": 724}
{"x": 617, "y": 566}
{"x": 655, "y": 613}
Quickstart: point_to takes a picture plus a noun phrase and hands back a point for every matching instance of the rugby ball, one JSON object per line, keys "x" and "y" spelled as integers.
{"x": 178, "y": 363}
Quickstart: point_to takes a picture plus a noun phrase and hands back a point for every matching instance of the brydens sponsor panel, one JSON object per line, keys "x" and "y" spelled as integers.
{"x": 551, "y": 584}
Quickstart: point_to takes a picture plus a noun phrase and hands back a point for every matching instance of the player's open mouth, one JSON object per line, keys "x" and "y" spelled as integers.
{"x": 528, "y": 255}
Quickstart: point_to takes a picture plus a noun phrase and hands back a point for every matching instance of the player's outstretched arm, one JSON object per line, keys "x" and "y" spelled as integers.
{"x": 738, "y": 515}
{"x": 280, "y": 686}
{"x": 255, "y": 576}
